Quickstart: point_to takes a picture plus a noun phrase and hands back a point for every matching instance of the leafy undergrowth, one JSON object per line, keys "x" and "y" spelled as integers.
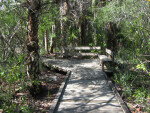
{"x": 134, "y": 87}
{"x": 15, "y": 97}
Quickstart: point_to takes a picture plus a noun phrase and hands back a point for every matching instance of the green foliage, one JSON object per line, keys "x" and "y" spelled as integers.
{"x": 14, "y": 108}
{"x": 14, "y": 74}
{"x": 127, "y": 92}
{"x": 141, "y": 66}
{"x": 131, "y": 17}
{"x": 72, "y": 36}
{"x": 14, "y": 71}
{"x": 132, "y": 38}
{"x": 52, "y": 35}
{"x": 47, "y": 19}
{"x": 116, "y": 78}
{"x": 140, "y": 95}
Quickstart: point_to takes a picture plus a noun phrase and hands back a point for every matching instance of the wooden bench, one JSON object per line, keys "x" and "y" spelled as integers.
{"x": 82, "y": 51}
{"x": 109, "y": 57}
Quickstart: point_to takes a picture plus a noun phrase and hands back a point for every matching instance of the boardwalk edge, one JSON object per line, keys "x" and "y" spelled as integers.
{"x": 117, "y": 95}
{"x": 59, "y": 94}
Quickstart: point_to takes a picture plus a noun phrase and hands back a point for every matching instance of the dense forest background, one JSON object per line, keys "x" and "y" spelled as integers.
{"x": 120, "y": 25}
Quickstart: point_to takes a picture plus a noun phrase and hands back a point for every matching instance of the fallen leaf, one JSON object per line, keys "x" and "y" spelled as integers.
{"x": 1, "y": 111}
{"x": 138, "y": 109}
{"x": 21, "y": 94}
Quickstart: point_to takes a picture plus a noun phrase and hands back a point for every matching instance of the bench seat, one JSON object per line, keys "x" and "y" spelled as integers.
{"x": 104, "y": 58}
{"x": 79, "y": 51}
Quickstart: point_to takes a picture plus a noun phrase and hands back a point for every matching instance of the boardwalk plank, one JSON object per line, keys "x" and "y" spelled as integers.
{"x": 87, "y": 90}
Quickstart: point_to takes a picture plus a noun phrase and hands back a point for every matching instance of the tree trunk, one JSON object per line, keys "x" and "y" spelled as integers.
{"x": 94, "y": 19}
{"x": 46, "y": 43}
{"x": 63, "y": 12}
{"x": 80, "y": 35}
{"x": 51, "y": 45}
{"x": 111, "y": 36}
{"x": 51, "y": 39}
{"x": 95, "y": 32}
{"x": 83, "y": 32}
{"x": 32, "y": 40}
{"x": 80, "y": 23}
{"x": 61, "y": 23}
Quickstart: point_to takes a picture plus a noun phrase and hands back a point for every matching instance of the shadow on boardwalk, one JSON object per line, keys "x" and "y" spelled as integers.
{"x": 87, "y": 90}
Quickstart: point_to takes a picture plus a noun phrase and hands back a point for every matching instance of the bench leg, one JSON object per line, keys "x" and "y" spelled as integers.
{"x": 102, "y": 66}
{"x": 100, "y": 63}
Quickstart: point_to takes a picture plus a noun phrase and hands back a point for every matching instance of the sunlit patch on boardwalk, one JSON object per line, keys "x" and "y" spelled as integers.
{"x": 87, "y": 90}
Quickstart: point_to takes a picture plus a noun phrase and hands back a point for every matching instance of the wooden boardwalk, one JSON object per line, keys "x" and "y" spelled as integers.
{"x": 87, "y": 90}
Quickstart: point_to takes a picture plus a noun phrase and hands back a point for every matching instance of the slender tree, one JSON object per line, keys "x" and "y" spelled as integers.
{"x": 51, "y": 39}
{"x": 46, "y": 42}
